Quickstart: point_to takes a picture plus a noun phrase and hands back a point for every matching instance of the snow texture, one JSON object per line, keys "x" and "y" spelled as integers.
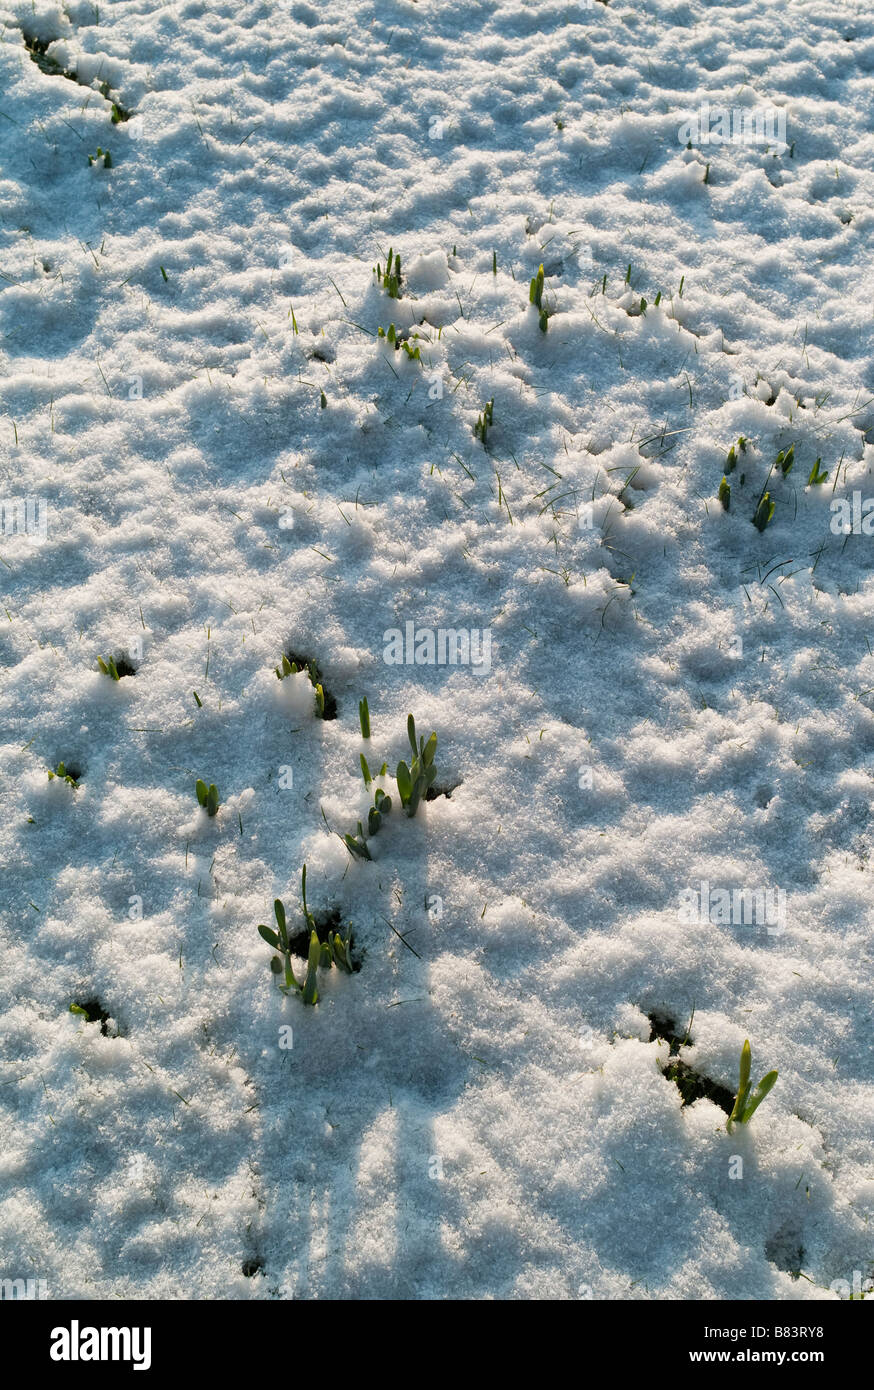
{"x": 671, "y": 697}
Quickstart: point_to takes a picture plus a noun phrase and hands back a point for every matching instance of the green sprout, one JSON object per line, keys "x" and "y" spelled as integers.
{"x": 724, "y": 494}
{"x": 731, "y": 457}
{"x": 764, "y": 511}
{"x": 390, "y": 278}
{"x": 101, "y": 155}
{"x": 414, "y": 781}
{"x": 334, "y": 951}
{"x": 535, "y": 293}
{"x": 785, "y": 461}
{"x": 288, "y": 666}
{"x": 109, "y": 667}
{"x": 364, "y": 717}
{"x": 816, "y": 476}
{"x": 484, "y": 421}
{"x": 64, "y": 776}
{"x": 414, "y": 354}
{"x": 208, "y": 797}
{"x": 744, "y": 1105}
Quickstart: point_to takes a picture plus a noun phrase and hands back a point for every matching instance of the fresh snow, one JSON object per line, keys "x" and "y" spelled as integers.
{"x": 671, "y": 697}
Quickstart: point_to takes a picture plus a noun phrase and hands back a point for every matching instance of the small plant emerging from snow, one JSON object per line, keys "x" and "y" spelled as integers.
{"x": 764, "y": 511}
{"x": 484, "y": 422}
{"x": 364, "y": 717}
{"x": 535, "y": 297}
{"x": 109, "y": 667}
{"x": 207, "y": 796}
{"x": 290, "y": 667}
{"x": 397, "y": 343}
{"x": 64, "y": 776}
{"x": 724, "y": 493}
{"x": 390, "y": 278}
{"x": 785, "y": 461}
{"x": 745, "y": 1105}
{"x": 731, "y": 457}
{"x": 334, "y": 951}
{"x": 414, "y": 781}
{"x": 102, "y": 156}
{"x": 817, "y": 477}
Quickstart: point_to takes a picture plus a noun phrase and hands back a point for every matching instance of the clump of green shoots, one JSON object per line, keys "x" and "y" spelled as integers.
{"x": 415, "y": 354}
{"x": 101, "y": 156}
{"x": 207, "y": 796}
{"x": 414, "y": 781}
{"x": 745, "y": 1105}
{"x": 334, "y": 951}
{"x": 109, "y": 667}
{"x": 357, "y": 844}
{"x": 291, "y": 668}
{"x": 764, "y": 511}
{"x": 484, "y": 421}
{"x": 816, "y": 476}
{"x": 785, "y": 461}
{"x": 364, "y": 717}
{"x": 390, "y": 278}
{"x": 724, "y": 493}
{"x": 535, "y": 297}
{"x": 731, "y": 457}
{"x": 64, "y": 776}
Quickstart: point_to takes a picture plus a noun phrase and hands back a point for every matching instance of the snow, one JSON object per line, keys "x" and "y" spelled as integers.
{"x": 672, "y": 697}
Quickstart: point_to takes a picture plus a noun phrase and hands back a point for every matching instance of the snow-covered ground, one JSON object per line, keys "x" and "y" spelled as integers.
{"x": 669, "y": 695}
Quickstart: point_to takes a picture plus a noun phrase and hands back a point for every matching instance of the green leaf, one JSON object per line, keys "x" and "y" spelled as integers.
{"x": 429, "y": 750}
{"x": 279, "y": 914}
{"x": 724, "y": 494}
{"x": 765, "y": 1085}
{"x": 364, "y": 717}
{"x": 310, "y": 988}
{"x": 405, "y": 783}
{"x": 212, "y": 799}
{"x": 411, "y": 735}
{"x": 200, "y": 788}
{"x": 77, "y": 1009}
{"x": 269, "y": 936}
{"x": 365, "y": 770}
{"x": 764, "y": 512}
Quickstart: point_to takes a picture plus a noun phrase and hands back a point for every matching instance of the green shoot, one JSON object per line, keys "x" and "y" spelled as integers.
{"x": 364, "y": 717}
{"x": 744, "y": 1105}
{"x": 543, "y": 321}
{"x": 494, "y": 262}
{"x": 334, "y": 951}
{"x": 484, "y": 421}
{"x": 764, "y": 511}
{"x": 731, "y": 457}
{"x": 323, "y": 401}
{"x": 64, "y": 776}
{"x": 390, "y": 278}
{"x": 816, "y": 476}
{"x": 724, "y": 494}
{"x": 414, "y": 354}
{"x": 289, "y": 666}
{"x": 365, "y": 770}
{"x": 208, "y": 797}
{"x": 785, "y": 461}
{"x": 101, "y": 156}
{"x": 535, "y": 293}
{"x": 108, "y": 668}
{"x": 415, "y": 780}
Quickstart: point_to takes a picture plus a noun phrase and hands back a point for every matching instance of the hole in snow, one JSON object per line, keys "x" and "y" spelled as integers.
{"x": 327, "y": 922}
{"x": 94, "y": 1013}
{"x": 690, "y": 1083}
{"x": 251, "y": 1267}
{"x": 311, "y": 666}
